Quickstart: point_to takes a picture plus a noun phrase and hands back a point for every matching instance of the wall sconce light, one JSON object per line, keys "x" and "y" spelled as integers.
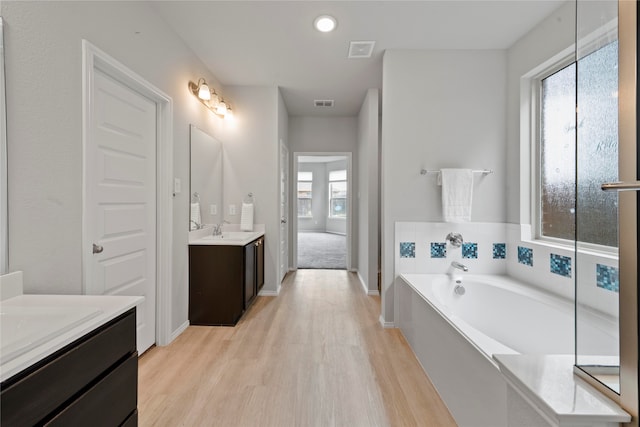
{"x": 210, "y": 99}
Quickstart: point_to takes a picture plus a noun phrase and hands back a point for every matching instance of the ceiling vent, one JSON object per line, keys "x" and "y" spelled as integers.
{"x": 362, "y": 49}
{"x": 323, "y": 102}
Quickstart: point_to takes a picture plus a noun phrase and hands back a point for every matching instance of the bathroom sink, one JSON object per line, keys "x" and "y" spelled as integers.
{"x": 232, "y": 235}
{"x": 24, "y": 328}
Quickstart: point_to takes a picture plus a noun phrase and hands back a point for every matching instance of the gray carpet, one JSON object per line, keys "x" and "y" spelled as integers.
{"x": 322, "y": 251}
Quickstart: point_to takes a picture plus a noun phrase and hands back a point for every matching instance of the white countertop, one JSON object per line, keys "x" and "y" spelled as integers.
{"x": 549, "y": 382}
{"x": 231, "y": 236}
{"x": 44, "y": 324}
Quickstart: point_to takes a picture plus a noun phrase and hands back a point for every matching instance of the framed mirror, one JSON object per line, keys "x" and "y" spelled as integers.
{"x": 4, "y": 223}
{"x": 205, "y": 187}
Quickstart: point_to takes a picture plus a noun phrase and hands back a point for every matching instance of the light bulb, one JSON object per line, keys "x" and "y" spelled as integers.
{"x": 325, "y": 23}
{"x": 222, "y": 108}
{"x": 203, "y": 92}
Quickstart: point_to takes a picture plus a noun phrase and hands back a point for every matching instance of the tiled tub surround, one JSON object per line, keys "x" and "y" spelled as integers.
{"x": 522, "y": 320}
{"x": 434, "y": 255}
{"x": 498, "y": 249}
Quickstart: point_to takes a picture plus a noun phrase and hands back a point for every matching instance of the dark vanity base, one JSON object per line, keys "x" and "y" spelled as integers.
{"x": 92, "y": 381}
{"x": 224, "y": 281}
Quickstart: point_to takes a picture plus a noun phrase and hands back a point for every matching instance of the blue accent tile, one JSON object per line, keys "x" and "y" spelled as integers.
{"x": 499, "y": 251}
{"x": 470, "y": 250}
{"x": 407, "y": 250}
{"x": 608, "y": 277}
{"x": 560, "y": 265}
{"x": 525, "y": 256}
{"x": 438, "y": 250}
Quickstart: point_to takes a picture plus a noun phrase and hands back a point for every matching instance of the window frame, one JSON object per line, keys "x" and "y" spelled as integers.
{"x": 531, "y": 84}
{"x": 536, "y": 149}
{"x": 345, "y": 198}
{"x": 310, "y": 198}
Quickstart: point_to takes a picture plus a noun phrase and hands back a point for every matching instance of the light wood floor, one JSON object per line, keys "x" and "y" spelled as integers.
{"x": 314, "y": 356}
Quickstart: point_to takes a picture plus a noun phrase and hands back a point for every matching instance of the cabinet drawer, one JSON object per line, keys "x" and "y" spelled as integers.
{"x": 32, "y": 395}
{"x": 108, "y": 403}
{"x": 132, "y": 421}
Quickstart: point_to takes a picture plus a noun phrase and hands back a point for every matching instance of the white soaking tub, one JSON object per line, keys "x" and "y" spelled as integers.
{"x": 455, "y": 336}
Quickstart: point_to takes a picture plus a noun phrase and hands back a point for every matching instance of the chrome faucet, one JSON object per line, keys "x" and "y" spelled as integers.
{"x": 456, "y": 264}
{"x": 455, "y": 239}
{"x": 217, "y": 230}
{"x": 197, "y": 226}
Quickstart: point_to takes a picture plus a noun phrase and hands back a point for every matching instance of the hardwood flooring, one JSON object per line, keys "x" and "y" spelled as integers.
{"x": 314, "y": 356}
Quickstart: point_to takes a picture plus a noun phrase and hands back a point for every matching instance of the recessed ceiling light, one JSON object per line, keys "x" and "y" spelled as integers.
{"x": 325, "y": 23}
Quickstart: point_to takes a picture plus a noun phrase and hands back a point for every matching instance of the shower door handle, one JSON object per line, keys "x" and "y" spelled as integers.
{"x": 621, "y": 186}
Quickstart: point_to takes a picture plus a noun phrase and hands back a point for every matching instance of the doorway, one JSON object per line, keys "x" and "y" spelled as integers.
{"x": 322, "y": 217}
{"x": 127, "y": 220}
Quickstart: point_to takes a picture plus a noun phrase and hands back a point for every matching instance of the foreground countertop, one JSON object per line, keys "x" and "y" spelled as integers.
{"x": 83, "y": 312}
{"x": 549, "y": 382}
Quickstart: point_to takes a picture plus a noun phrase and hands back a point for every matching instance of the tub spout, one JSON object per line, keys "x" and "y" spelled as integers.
{"x": 456, "y": 264}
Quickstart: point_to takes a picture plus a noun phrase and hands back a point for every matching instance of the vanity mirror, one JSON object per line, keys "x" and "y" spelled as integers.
{"x": 206, "y": 180}
{"x": 4, "y": 226}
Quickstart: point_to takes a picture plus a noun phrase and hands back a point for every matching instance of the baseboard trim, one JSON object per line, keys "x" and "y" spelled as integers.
{"x": 369, "y": 292}
{"x": 175, "y": 334}
{"x": 386, "y": 325}
{"x": 266, "y": 293}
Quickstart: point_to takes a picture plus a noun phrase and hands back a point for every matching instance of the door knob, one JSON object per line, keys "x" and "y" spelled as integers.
{"x": 283, "y": 220}
{"x": 97, "y": 249}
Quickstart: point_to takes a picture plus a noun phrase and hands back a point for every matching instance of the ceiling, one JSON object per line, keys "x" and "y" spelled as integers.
{"x": 274, "y": 43}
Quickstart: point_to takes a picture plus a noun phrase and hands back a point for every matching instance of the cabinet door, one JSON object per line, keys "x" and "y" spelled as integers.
{"x": 259, "y": 265}
{"x": 216, "y": 284}
{"x": 249, "y": 273}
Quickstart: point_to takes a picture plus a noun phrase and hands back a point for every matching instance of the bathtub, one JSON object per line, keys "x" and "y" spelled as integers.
{"x": 455, "y": 336}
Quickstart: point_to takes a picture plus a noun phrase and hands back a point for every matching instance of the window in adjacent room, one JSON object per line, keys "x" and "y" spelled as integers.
{"x": 305, "y": 184}
{"x": 338, "y": 194}
{"x": 596, "y": 160}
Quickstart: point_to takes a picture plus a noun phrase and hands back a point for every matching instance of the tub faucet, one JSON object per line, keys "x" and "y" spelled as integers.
{"x": 456, "y": 264}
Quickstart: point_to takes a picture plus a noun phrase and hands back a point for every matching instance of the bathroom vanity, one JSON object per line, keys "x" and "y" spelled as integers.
{"x": 225, "y": 275}
{"x": 68, "y": 360}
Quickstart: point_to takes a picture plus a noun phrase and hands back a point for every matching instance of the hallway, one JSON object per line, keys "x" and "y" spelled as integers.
{"x": 314, "y": 356}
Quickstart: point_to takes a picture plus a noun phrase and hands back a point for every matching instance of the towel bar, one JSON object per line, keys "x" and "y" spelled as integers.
{"x": 482, "y": 171}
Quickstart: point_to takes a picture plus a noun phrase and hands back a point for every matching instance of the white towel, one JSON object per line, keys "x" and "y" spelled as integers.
{"x": 246, "y": 217}
{"x": 457, "y": 194}
{"x": 195, "y": 216}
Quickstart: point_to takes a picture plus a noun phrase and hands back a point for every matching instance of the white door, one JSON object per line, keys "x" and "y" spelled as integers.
{"x": 284, "y": 209}
{"x": 120, "y": 198}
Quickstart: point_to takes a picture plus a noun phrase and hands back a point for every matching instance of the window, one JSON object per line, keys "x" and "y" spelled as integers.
{"x": 338, "y": 194}
{"x": 305, "y": 183}
{"x": 594, "y": 161}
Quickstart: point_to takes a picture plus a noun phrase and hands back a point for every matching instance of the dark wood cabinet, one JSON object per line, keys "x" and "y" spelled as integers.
{"x": 224, "y": 281}
{"x": 259, "y": 264}
{"x": 92, "y": 381}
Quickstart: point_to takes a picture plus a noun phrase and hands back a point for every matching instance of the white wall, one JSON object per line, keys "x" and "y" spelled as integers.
{"x": 251, "y": 165}
{"x": 440, "y": 109}
{"x": 44, "y": 107}
{"x": 550, "y": 37}
{"x": 368, "y": 193}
